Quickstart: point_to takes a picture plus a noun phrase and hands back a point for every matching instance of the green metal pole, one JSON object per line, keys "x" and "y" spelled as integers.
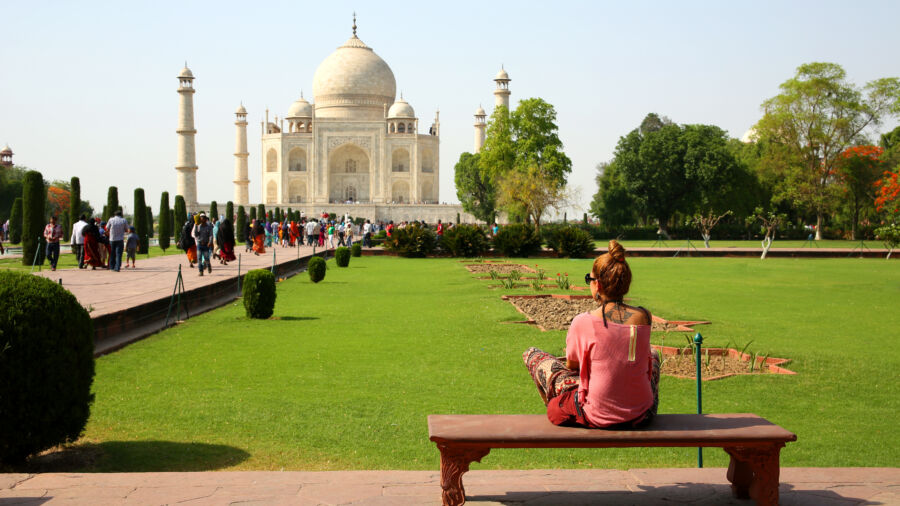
{"x": 273, "y": 260}
{"x": 698, "y": 341}
{"x": 239, "y": 274}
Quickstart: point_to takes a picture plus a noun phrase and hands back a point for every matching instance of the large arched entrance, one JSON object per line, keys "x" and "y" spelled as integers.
{"x": 400, "y": 192}
{"x": 348, "y": 174}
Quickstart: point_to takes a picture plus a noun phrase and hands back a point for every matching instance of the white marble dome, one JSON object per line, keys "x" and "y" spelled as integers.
{"x": 186, "y": 73}
{"x": 502, "y": 75}
{"x": 300, "y": 109}
{"x": 240, "y": 110}
{"x": 401, "y": 109}
{"x": 480, "y": 111}
{"x": 353, "y": 82}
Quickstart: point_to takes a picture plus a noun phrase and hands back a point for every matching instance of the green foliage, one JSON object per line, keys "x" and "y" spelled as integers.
{"x": 259, "y": 293}
{"x": 140, "y": 221}
{"x": 46, "y": 368}
{"x": 74, "y": 202}
{"x": 316, "y": 269}
{"x": 213, "y": 210}
{"x": 356, "y": 250}
{"x": 570, "y": 241}
{"x": 164, "y": 222}
{"x": 34, "y": 195}
{"x": 537, "y": 142}
{"x": 562, "y": 281}
{"x": 180, "y": 217}
{"x": 412, "y": 241}
{"x": 889, "y": 235}
{"x": 517, "y": 240}
{"x": 112, "y": 202}
{"x": 252, "y": 213}
{"x": 465, "y": 241}
{"x": 149, "y": 221}
{"x": 240, "y": 226}
{"x": 15, "y": 222}
{"x": 261, "y": 212}
{"x": 342, "y": 256}
{"x": 475, "y": 188}
{"x": 229, "y": 211}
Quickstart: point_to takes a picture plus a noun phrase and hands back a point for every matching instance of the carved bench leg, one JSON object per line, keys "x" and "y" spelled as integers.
{"x": 754, "y": 471}
{"x": 454, "y": 462}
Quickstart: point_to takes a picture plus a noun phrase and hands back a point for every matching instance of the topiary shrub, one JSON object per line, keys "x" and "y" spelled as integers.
{"x": 412, "y": 241}
{"x": 465, "y": 241}
{"x": 571, "y": 241}
{"x": 316, "y": 269}
{"x": 342, "y": 256}
{"x": 356, "y": 250}
{"x": 259, "y": 293}
{"x": 46, "y": 366}
{"x": 517, "y": 240}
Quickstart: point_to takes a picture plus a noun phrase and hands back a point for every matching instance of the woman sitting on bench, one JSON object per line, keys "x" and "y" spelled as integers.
{"x": 610, "y": 376}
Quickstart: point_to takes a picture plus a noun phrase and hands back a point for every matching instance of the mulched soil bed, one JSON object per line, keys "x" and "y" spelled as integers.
{"x": 722, "y": 364}
{"x": 554, "y": 313}
{"x": 500, "y": 268}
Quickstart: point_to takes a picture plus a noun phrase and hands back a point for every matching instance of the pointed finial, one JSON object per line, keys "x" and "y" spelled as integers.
{"x": 354, "y": 23}
{"x": 401, "y": 94}
{"x": 301, "y": 94}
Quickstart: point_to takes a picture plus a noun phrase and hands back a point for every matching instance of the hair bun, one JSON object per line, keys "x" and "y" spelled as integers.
{"x": 616, "y": 251}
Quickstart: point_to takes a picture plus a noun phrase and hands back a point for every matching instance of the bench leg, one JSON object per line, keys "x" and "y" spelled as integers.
{"x": 454, "y": 462}
{"x": 753, "y": 472}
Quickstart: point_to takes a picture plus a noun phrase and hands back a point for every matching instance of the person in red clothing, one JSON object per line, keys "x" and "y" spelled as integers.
{"x": 610, "y": 374}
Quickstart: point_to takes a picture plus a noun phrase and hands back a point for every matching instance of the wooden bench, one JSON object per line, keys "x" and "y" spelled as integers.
{"x": 752, "y": 442}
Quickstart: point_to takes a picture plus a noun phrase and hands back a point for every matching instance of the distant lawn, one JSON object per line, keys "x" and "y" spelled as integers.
{"x": 778, "y": 243}
{"x": 347, "y": 374}
{"x": 68, "y": 261}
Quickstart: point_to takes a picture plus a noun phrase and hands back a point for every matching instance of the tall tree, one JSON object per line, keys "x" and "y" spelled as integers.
{"x": 261, "y": 212}
{"x": 149, "y": 221}
{"x": 140, "y": 221}
{"x": 537, "y": 143}
{"x": 612, "y": 204}
{"x": 164, "y": 221}
{"x": 112, "y": 202}
{"x": 213, "y": 210}
{"x": 817, "y": 115}
{"x": 180, "y": 217}
{"x": 475, "y": 187}
{"x": 34, "y": 194}
{"x": 15, "y": 221}
{"x": 859, "y": 168}
{"x": 532, "y": 190}
{"x": 498, "y": 154}
{"x": 229, "y": 211}
{"x": 74, "y": 202}
{"x": 252, "y": 213}
{"x": 240, "y": 224}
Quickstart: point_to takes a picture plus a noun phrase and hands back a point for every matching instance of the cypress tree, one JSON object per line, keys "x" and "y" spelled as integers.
{"x": 164, "y": 221}
{"x": 15, "y": 221}
{"x": 213, "y": 211}
{"x": 180, "y": 217}
{"x": 240, "y": 225}
{"x": 34, "y": 195}
{"x": 140, "y": 220}
{"x": 276, "y": 214}
{"x": 261, "y": 212}
{"x": 112, "y": 202}
{"x": 105, "y": 214}
{"x": 252, "y": 213}
{"x": 149, "y": 221}
{"x": 229, "y": 211}
{"x": 584, "y": 218}
{"x": 74, "y": 202}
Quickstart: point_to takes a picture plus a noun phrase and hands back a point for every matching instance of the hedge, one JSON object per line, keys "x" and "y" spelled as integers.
{"x": 259, "y": 293}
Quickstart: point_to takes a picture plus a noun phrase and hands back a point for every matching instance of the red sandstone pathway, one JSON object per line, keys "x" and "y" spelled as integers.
{"x": 707, "y": 487}
{"x": 103, "y": 291}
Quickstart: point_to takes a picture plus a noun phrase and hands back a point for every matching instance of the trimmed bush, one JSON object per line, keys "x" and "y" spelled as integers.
{"x": 74, "y": 205}
{"x": 140, "y": 221}
{"x": 259, "y": 293}
{"x": 165, "y": 222}
{"x": 46, "y": 366}
{"x": 412, "y": 241}
{"x": 240, "y": 225}
{"x": 379, "y": 238}
{"x": 149, "y": 221}
{"x": 261, "y": 212}
{"x": 571, "y": 241}
{"x": 465, "y": 241}
{"x": 34, "y": 196}
{"x": 342, "y": 256}
{"x": 213, "y": 211}
{"x": 229, "y": 211}
{"x": 316, "y": 269}
{"x": 15, "y": 221}
{"x": 517, "y": 240}
{"x": 180, "y": 217}
{"x": 112, "y": 203}
{"x": 356, "y": 250}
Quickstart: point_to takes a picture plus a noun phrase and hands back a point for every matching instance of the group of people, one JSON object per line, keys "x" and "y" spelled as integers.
{"x": 203, "y": 241}
{"x": 313, "y": 232}
{"x": 96, "y": 243}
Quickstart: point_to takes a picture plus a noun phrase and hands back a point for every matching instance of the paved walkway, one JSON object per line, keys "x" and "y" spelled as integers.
{"x": 103, "y": 291}
{"x": 707, "y": 487}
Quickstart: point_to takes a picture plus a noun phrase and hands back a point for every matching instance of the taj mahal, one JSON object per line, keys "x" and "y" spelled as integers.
{"x": 357, "y": 149}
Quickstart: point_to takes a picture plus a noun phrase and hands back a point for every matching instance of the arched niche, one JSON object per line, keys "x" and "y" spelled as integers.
{"x": 426, "y": 193}
{"x": 348, "y": 174}
{"x": 271, "y": 192}
{"x": 400, "y": 160}
{"x": 271, "y": 160}
{"x": 400, "y": 192}
{"x": 297, "y": 191}
{"x": 297, "y": 160}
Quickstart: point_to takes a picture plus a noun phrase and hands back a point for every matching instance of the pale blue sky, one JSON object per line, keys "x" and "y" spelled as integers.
{"x": 89, "y": 88}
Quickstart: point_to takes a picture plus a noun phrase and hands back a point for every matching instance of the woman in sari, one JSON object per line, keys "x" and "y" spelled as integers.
{"x": 92, "y": 246}
{"x": 259, "y": 239}
{"x": 295, "y": 233}
{"x": 225, "y": 240}
{"x": 187, "y": 241}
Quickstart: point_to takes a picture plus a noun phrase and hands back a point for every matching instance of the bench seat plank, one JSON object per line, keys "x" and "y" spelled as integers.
{"x": 535, "y": 431}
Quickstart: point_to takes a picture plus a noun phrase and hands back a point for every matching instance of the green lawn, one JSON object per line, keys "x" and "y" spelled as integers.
{"x": 68, "y": 260}
{"x": 347, "y": 374}
{"x": 778, "y": 243}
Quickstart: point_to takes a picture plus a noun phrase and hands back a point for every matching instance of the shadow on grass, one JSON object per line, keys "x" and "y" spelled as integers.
{"x": 134, "y": 456}
{"x": 295, "y": 318}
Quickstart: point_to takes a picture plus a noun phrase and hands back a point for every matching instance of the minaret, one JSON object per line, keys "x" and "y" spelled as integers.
{"x": 6, "y": 155}
{"x": 480, "y": 124}
{"x": 241, "y": 181}
{"x": 186, "y": 163}
{"x": 501, "y": 94}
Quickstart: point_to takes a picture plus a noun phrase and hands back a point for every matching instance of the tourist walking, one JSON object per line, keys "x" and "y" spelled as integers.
{"x": 117, "y": 227}
{"x": 225, "y": 240}
{"x": 52, "y": 233}
{"x": 131, "y": 245}
{"x": 77, "y": 240}
{"x": 203, "y": 235}
{"x": 187, "y": 240}
{"x": 92, "y": 246}
{"x": 311, "y": 232}
{"x": 348, "y": 232}
{"x": 367, "y": 234}
{"x": 259, "y": 238}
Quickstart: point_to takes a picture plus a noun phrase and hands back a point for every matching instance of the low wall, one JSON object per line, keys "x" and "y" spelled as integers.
{"x": 431, "y": 213}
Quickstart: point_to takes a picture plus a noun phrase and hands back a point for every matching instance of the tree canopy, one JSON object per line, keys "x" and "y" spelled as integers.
{"x": 475, "y": 188}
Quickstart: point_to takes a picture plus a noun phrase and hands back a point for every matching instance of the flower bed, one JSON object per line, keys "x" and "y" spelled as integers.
{"x": 722, "y": 363}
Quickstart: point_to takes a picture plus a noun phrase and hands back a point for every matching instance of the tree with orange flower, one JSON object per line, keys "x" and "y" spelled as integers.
{"x": 858, "y": 169}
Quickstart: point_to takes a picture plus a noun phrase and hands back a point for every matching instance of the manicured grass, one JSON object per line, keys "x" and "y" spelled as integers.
{"x": 68, "y": 261}
{"x": 347, "y": 374}
{"x": 778, "y": 243}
